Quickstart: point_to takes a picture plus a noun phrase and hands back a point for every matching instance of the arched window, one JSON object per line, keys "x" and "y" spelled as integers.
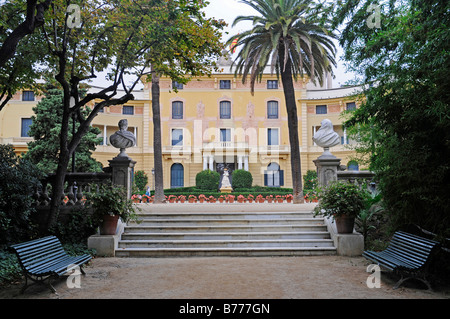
{"x": 273, "y": 176}
{"x": 176, "y": 175}
{"x": 353, "y": 166}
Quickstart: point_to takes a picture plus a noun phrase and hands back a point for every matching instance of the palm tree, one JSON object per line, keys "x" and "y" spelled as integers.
{"x": 293, "y": 39}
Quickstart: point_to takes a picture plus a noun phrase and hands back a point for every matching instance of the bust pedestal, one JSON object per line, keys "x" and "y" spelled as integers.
{"x": 327, "y": 166}
{"x": 122, "y": 172}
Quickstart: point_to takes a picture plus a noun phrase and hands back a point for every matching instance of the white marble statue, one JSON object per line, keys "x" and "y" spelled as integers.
{"x": 326, "y": 137}
{"x": 225, "y": 180}
{"x": 123, "y": 138}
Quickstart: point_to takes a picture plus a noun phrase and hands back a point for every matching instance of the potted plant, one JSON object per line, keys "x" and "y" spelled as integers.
{"x": 182, "y": 198}
{"x": 221, "y": 198}
{"x": 230, "y": 198}
{"x": 260, "y": 199}
{"x": 136, "y": 198}
{"x": 192, "y": 198}
{"x": 269, "y": 198}
{"x": 241, "y": 198}
{"x": 250, "y": 198}
{"x": 109, "y": 204}
{"x": 289, "y": 198}
{"x": 279, "y": 198}
{"x": 172, "y": 198}
{"x": 145, "y": 198}
{"x": 342, "y": 201}
{"x": 201, "y": 198}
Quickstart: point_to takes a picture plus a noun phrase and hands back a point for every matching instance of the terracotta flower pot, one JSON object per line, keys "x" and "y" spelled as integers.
{"x": 109, "y": 225}
{"x": 345, "y": 224}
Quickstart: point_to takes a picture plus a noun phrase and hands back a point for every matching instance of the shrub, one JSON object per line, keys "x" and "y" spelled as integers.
{"x": 207, "y": 180}
{"x": 241, "y": 179}
{"x": 140, "y": 180}
{"x": 18, "y": 181}
{"x": 309, "y": 181}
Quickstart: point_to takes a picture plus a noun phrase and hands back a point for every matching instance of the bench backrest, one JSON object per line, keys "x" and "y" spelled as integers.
{"x": 411, "y": 249}
{"x": 34, "y": 254}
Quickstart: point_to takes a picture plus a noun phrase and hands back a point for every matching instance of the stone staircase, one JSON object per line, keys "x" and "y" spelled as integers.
{"x": 179, "y": 230}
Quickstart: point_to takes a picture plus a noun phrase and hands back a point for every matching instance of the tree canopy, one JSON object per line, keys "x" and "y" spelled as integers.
{"x": 403, "y": 123}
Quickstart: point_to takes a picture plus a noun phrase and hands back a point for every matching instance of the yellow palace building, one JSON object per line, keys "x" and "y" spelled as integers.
{"x": 211, "y": 123}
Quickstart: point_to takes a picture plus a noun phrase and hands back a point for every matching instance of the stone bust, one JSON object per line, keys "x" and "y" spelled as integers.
{"x": 123, "y": 138}
{"x": 326, "y": 137}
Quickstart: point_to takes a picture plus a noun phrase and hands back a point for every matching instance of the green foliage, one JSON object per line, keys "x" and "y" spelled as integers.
{"x": 207, "y": 180}
{"x": 46, "y": 130}
{"x": 241, "y": 179}
{"x": 341, "y": 198}
{"x": 75, "y": 229}
{"x": 140, "y": 180}
{"x": 9, "y": 267}
{"x": 310, "y": 180}
{"x": 403, "y": 123}
{"x": 18, "y": 181}
{"x": 111, "y": 200}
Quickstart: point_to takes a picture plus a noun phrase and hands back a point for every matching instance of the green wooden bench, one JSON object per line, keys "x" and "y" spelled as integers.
{"x": 44, "y": 258}
{"x": 407, "y": 255}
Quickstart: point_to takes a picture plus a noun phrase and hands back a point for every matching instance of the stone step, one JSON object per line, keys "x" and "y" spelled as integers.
{"x": 231, "y": 215}
{"x": 223, "y": 228}
{"x": 181, "y": 230}
{"x": 229, "y": 251}
{"x": 226, "y": 243}
{"x": 224, "y": 221}
{"x": 226, "y": 235}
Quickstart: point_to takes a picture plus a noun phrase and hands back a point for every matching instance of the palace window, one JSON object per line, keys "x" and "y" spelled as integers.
{"x": 176, "y": 175}
{"x": 176, "y": 85}
{"x": 225, "y": 135}
{"x": 321, "y": 109}
{"x": 177, "y": 137}
{"x": 177, "y": 110}
{"x": 225, "y": 84}
{"x": 27, "y": 96}
{"x": 273, "y": 176}
{"x": 351, "y": 106}
{"x": 272, "y": 136}
{"x": 225, "y": 110}
{"x": 272, "y": 110}
{"x": 128, "y": 110}
{"x": 26, "y": 123}
{"x": 272, "y": 84}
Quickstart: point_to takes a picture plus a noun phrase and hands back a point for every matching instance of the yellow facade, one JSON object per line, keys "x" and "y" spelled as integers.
{"x": 221, "y": 123}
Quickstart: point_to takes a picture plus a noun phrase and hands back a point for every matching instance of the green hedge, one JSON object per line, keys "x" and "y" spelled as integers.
{"x": 207, "y": 180}
{"x": 241, "y": 179}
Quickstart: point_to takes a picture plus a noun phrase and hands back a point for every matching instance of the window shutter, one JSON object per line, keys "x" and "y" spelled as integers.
{"x": 265, "y": 178}
{"x": 281, "y": 178}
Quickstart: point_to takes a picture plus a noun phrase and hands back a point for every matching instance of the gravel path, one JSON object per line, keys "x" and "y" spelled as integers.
{"x": 323, "y": 277}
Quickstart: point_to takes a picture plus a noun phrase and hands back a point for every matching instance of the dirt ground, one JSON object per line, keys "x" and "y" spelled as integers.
{"x": 309, "y": 277}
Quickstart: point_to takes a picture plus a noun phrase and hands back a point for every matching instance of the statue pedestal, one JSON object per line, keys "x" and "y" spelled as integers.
{"x": 226, "y": 189}
{"x": 327, "y": 167}
{"x": 122, "y": 172}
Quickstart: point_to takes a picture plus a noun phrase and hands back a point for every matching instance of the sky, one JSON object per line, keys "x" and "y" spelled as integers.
{"x": 228, "y": 10}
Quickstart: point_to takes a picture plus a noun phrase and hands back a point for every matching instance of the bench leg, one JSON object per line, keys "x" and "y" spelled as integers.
{"x": 402, "y": 280}
{"x": 37, "y": 281}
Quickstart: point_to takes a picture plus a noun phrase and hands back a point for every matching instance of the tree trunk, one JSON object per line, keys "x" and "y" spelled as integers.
{"x": 291, "y": 107}
{"x": 157, "y": 149}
